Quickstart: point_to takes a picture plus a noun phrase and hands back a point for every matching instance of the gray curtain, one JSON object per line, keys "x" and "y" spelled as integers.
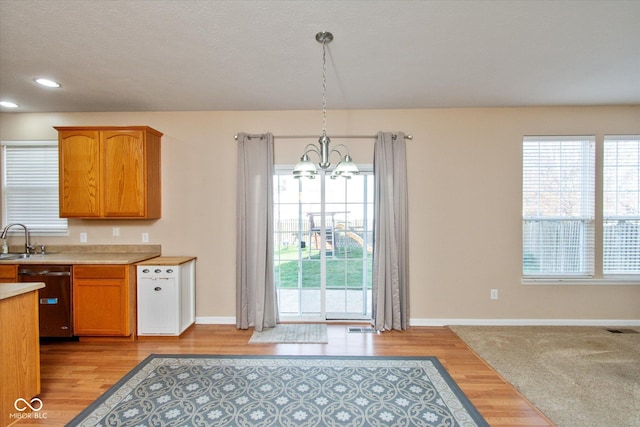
{"x": 256, "y": 303}
{"x": 391, "y": 235}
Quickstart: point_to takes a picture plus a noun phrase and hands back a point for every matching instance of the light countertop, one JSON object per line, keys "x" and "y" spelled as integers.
{"x": 167, "y": 260}
{"x": 91, "y": 254}
{"x": 83, "y": 258}
{"x": 8, "y": 290}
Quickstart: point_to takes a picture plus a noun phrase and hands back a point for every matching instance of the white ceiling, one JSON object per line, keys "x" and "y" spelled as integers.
{"x": 171, "y": 55}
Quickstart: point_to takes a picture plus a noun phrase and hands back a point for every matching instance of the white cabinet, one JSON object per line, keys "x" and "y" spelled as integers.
{"x": 166, "y": 295}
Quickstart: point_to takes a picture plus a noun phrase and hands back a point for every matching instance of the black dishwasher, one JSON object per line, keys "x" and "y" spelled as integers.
{"x": 56, "y": 319}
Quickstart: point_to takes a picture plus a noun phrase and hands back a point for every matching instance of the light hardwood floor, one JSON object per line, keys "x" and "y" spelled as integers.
{"x": 74, "y": 374}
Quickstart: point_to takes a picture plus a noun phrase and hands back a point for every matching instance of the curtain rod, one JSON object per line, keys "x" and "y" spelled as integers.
{"x": 331, "y": 136}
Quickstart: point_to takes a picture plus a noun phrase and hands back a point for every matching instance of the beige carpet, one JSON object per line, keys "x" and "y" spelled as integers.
{"x": 577, "y": 376}
{"x": 292, "y": 333}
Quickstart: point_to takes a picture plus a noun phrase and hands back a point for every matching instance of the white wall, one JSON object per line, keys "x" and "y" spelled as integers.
{"x": 464, "y": 168}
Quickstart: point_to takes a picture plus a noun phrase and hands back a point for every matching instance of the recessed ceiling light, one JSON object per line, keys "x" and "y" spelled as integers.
{"x": 47, "y": 83}
{"x": 8, "y": 104}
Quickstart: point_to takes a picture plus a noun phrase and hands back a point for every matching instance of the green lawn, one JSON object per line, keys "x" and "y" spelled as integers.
{"x": 345, "y": 269}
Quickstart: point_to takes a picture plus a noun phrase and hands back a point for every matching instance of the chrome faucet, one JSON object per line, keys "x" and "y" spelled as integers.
{"x": 27, "y": 247}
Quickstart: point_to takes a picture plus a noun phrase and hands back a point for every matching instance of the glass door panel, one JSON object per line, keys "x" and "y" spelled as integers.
{"x": 349, "y": 218}
{"x": 322, "y": 247}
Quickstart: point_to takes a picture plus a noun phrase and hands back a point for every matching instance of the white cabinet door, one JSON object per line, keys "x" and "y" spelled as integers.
{"x": 158, "y": 306}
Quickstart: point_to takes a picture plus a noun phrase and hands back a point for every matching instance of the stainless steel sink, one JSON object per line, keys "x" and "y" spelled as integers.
{"x": 14, "y": 256}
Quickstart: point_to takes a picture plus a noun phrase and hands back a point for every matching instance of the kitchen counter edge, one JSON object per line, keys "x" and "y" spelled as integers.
{"x": 8, "y": 290}
{"x": 83, "y": 258}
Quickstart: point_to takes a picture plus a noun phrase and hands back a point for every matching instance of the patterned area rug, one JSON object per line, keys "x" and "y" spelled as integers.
{"x": 202, "y": 390}
{"x": 292, "y": 333}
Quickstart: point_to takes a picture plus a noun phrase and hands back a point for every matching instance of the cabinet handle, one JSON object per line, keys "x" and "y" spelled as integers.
{"x": 157, "y": 288}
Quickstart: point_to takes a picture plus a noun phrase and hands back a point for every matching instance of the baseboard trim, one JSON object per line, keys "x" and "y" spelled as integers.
{"x": 215, "y": 320}
{"x": 526, "y": 322}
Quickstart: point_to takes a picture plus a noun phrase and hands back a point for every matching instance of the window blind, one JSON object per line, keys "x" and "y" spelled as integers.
{"x": 621, "y": 205}
{"x": 30, "y": 186}
{"x": 558, "y": 188}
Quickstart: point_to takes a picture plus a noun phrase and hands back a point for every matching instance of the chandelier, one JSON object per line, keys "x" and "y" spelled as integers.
{"x": 345, "y": 167}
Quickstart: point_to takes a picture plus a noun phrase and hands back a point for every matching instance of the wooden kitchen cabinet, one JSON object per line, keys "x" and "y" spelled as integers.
{"x": 104, "y": 300}
{"x": 19, "y": 351}
{"x": 8, "y": 273}
{"x": 109, "y": 172}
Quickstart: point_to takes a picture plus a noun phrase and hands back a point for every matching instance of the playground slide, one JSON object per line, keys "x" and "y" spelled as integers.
{"x": 355, "y": 237}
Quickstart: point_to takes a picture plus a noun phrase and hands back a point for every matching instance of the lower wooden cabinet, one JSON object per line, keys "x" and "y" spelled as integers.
{"x": 19, "y": 353}
{"x": 8, "y": 273}
{"x": 104, "y": 300}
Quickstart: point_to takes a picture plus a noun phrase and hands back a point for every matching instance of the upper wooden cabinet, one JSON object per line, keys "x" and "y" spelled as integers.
{"x": 109, "y": 172}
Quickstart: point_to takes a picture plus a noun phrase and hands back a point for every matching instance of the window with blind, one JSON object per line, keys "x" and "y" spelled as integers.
{"x": 621, "y": 205}
{"x": 30, "y": 186}
{"x": 558, "y": 188}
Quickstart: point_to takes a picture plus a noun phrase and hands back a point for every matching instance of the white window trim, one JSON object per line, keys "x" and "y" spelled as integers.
{"x": 601, "y": 281}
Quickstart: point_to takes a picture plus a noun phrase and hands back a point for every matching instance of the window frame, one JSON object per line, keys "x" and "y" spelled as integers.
{"x": 621, "y": 163}
{"x": 33, "y": 230}
{"x": 324, "y": 314}
{"x": 598, "y": 277}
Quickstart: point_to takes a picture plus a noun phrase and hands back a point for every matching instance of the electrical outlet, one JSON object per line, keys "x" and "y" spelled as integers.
{"x": 116, "y": 232}
{"x": 83, "y": 237}
{"x": 494, "y": 294}
{"x": 145, "y": 237}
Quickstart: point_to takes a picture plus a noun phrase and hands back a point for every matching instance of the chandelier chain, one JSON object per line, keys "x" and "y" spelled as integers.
{"x": 324, "y": 88}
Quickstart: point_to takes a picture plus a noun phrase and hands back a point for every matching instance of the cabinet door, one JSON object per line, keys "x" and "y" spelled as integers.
{"x": 8, "y": 273}
{"x": 19, "y": 353}
{"x": 124, "y": 173}
{"x": 100, "y": 301}
{"x": 79, "y": 173}
{"x": 159, "y": 310}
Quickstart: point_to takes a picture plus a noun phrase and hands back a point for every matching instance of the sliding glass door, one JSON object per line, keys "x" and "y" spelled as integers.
{"x": 323, "y": 242}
